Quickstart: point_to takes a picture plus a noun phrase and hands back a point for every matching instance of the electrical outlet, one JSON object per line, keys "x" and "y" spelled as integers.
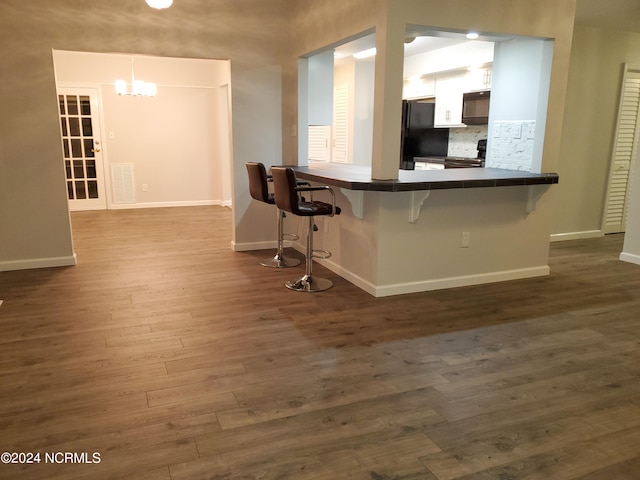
{"x": 145, "y": 187}
{"x": 465, "y": 242}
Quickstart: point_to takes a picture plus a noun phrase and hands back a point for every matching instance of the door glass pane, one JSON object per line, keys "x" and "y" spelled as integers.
{"x": 80, "y": 190}
{"x": 88, "y": 148}
{"x": 72, "y": 105}
{"x": 78, "y": 169}
{"x": 93, "y": 188}
{"x": 67, "y": 168}
{"x": 87, "y": 129}
{"x": 74, "y": 126}
{"x": 70, "y": 190}
{"x": 85, "y": 105}
{"x": 91, "y": 169}
{"x": 65, "y": 147}
{"x": 63, "y": 124}
{"x": 61, "y": 102}
{"x": 76, "y": 147}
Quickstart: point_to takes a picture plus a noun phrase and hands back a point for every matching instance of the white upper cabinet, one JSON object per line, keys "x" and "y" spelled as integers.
{"x": 419, "y": 88}
{"x": 449, "y": 90}
{"x": 478, "y": 79}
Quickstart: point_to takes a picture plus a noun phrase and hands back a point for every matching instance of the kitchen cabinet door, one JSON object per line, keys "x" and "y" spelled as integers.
{"x": 423, "y": 88}
{"x": 449, "y": 101}
{"x": 478, "y": 79}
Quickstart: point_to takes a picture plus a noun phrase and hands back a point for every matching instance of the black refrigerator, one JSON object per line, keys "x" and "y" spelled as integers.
{"x": 419, "y": 137}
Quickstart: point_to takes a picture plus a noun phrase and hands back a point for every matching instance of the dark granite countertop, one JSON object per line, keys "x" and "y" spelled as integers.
{"x": 354, "y": 177}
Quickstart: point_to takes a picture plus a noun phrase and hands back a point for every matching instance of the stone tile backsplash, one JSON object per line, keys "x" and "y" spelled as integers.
{"x": 512, "y": 145}
{"x": 463, "y": 142}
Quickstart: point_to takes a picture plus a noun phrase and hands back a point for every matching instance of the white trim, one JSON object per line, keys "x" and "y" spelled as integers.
{"x": 561, "y": 237}
{"x": 463, "y": 281}
{"x": 250, "y": 246}
{"x": 358, "y": 281}
{"x": 38, "y": 263}
{"x": 630, "y": 257}
{"x": 435, "y": 284}
{"x": 189, "y": 203}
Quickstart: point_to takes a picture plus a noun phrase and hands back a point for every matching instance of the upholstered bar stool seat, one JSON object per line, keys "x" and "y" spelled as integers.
{"x": 259, "y": 190}
{"x": 287, "y": 196}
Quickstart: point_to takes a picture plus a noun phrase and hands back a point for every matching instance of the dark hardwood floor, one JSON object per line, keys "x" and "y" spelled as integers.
{"x": 173, "y": 358}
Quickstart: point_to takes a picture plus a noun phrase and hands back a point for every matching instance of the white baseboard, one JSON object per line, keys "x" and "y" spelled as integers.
{"x": 435, "y": 284}
{"x": 561, "y": 237}
{"x": 38, "y": 263}
{"x": 358, "y": 281}
{"x": 248, "y": 246}
{"x": 197, "y": 203}
{"x": 462, "y": 281}
{"x": 630, "y": 257}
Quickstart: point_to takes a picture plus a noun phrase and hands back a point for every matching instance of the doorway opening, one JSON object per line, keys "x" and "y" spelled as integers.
{"x": 125, "y": 151}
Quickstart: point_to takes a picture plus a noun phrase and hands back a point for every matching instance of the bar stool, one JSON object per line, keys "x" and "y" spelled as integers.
{"x": 259, "y": 190}
{"x": 286, "y": 192}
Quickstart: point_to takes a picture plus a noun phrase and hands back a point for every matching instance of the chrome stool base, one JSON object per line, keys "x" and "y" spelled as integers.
{"x": 309, "y": 284}
{"x": 281, "y": 261}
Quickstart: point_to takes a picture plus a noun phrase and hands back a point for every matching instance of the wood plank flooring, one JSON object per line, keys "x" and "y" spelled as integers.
{"x": 174, "y": 358}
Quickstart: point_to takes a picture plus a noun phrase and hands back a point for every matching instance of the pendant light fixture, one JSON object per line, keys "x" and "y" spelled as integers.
{"x": 139, "y": 88}
{"x": 159, "y": 4}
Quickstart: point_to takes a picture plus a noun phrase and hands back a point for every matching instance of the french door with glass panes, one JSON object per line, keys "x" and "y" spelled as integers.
{"x": 82, "y": 148}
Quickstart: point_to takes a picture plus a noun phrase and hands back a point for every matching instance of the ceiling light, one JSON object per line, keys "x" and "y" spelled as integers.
{"x": 139, "y": 88}
{"x": 159, "y": 4}
{"x": 370, "y": 52}
{"x": 472, "y": 35}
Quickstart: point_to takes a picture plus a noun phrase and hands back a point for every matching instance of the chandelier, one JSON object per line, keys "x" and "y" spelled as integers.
{"x": 139, "y": 88}
{"x": 159, "y": 4}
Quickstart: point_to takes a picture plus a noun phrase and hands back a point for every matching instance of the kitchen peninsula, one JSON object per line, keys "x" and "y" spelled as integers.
{"x": 433, "y": 229}
{"x": 354, "y": 177}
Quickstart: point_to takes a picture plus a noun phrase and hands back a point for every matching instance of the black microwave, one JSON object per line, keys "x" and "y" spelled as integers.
{"x": 475, "y": 108}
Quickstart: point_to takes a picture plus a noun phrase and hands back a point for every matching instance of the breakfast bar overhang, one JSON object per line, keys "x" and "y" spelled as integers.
{"x": 429, "y": 230}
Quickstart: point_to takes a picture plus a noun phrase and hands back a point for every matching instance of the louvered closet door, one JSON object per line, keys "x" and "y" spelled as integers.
{"x": 340, "y": 152}
{"x": 624, "y": 150}
{"x": 319, "y": 140}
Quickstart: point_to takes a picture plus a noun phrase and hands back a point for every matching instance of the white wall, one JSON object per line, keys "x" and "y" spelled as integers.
{"x": 520, "y": 92}
{"x": 174, "y": 140}
{"x": 363, "y": 112}
{"x": 320, "y": 94}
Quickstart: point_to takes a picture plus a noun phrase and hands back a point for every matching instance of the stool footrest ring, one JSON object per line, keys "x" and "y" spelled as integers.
{"x": 320, "y": 254}
{"x": 290, "y": 236}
